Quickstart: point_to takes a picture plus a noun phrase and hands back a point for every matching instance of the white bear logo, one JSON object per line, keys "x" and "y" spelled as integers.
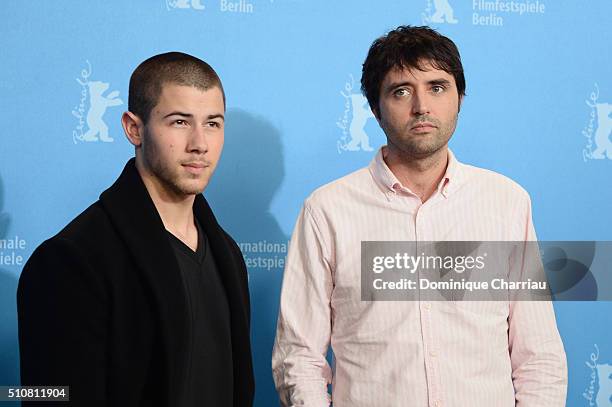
{"x": 598, "y": 129}
{"x": 604, "y": 395}
{"x": 93, "y": 112}
{"x": 603, "y": 145}
{"x": 361, "y": 114}
{"x": 195, "y": 4}
{"x": 443, "y": 12}
{"x": 356, "y": 114}
{"x": 98, "y": 103}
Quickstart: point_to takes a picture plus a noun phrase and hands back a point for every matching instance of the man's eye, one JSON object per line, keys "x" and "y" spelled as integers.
{"x": 437, "y": 89}
{"x": 401, "y": 92}
{"x": 180, "y": 122}
{"x": 214, "y": 124}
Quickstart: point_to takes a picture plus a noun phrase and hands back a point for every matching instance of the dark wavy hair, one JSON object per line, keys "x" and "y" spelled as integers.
{"x": 410, "y": 48}
{"x": 173, "y": 67}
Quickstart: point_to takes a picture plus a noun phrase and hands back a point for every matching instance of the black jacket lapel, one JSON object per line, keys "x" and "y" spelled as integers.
{"x": 137, "y": 221}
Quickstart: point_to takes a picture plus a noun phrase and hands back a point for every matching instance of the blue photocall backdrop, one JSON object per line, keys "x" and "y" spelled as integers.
{"x": 538, "y": 109}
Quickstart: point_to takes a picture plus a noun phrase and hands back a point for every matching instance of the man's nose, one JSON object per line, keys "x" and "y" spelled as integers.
{"x": 420, "y": 103}
{"x": 198, "y": 142}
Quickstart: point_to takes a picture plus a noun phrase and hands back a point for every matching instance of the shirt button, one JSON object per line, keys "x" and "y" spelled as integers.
{"x": 427, "y": 305}
{"x": 433, "y": 353}
{"x": 437, "y": 404}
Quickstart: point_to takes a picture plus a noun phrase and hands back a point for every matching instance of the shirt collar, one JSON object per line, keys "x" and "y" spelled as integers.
{"x": 389, "y": 182}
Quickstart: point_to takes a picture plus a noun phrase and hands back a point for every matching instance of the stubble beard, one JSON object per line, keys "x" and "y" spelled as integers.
{"x": 420, "y": 145}
{"x": 166, "y": 175}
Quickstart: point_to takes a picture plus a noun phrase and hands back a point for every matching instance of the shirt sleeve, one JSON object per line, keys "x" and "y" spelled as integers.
{"x": 300, "y": 369}
{"x": 539, "y": 367}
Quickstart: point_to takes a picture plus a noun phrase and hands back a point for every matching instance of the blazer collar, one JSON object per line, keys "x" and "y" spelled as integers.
{"x": 136, "y": 220}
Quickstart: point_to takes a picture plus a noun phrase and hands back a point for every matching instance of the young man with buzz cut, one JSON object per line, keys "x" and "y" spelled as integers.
{"x": 411, "y": 353}
{"x": 142, "y": 300}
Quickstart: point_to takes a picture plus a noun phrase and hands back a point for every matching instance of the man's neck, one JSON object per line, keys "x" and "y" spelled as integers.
{"x": 420, "y": 175}
{"x": 175, "y": 210}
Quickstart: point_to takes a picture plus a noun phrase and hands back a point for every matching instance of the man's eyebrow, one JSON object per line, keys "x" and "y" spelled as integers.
{"x": 189, "y": 115}
{"x": 395, "y": 85}
{"x": 215, "y": 116}
{"x": 440, "y": 81}
{"x": 178, "y": 114}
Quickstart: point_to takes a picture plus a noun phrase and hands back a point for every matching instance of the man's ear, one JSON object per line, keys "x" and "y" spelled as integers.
{"x": 460, "y": 101}
{"x": 133, "y": 128}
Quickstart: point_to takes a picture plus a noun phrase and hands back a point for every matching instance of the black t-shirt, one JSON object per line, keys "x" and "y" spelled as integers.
{"x": 209, "y": 379}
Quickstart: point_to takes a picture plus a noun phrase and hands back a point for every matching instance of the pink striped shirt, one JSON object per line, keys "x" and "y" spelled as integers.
{"x": 417, "y": 354}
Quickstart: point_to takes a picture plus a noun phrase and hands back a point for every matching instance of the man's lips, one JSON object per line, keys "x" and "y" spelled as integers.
{"x": 196, "y": 164}
{"x": 195, "y": 167}
{"x": 423, "y": 126}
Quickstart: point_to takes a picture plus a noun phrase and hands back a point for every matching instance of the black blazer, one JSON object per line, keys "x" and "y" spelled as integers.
{"x": 102, "y": 306}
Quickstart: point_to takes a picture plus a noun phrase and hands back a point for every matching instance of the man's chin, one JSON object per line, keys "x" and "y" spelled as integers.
{"x": 194, "y": 190}
{"x": 420, "y": 150}
{"x": 191, "y": 188}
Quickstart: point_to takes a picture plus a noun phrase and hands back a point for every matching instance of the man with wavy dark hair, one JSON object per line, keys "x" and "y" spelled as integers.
{"x": 413, "y": 353}
{"x": 142, "y": 300}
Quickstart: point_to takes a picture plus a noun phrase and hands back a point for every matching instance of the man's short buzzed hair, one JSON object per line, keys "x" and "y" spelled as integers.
{"x": 409, "y": 47}
{"x": 173, "y": 67}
